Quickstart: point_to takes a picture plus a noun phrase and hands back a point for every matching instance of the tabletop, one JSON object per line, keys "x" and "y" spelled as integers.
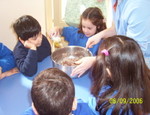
{"x": 15, "y": 90}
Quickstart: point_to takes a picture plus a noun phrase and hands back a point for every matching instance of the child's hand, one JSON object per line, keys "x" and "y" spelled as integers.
{"x": 29, "y": 45}
{"x": 8, "y": 73}
{"x": 55, "y": 32}
{"x": 84, "y": 66}
{"x": 92, "y": 41}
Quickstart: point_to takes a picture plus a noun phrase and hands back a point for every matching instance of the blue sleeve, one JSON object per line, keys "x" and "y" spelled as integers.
{"x": 7, "y": 60}
{"x": 26, "y": 60}
{"x": 69, "y": 32}
{"x": 83, "y": 109}
{"x": 95, "y": 49}
{"x": 92, "y": 102}
{"x": 29, "y": 111}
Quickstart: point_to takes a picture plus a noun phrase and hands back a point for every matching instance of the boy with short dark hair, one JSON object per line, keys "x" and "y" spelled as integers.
{"x": 32, "y": 47}
{"x": 53, "y": 93}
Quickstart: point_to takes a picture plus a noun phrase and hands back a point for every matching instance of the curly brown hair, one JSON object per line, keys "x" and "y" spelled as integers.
{"x": 95, "y": 15}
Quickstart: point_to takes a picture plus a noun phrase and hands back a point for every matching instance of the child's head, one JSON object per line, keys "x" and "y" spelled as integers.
{"x": 121, "y": 65}
{"x": 91, "y": 21}
{"x": 53, "y": 92}
{"x": 26, "y": 27}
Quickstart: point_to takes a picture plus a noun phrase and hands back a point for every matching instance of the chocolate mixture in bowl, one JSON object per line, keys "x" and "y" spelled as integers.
{"x": 70, "y": 61}
{"x": 65, "y": 58}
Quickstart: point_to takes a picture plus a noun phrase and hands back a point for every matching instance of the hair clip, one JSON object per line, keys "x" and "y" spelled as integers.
{"x": 104, "y": 51}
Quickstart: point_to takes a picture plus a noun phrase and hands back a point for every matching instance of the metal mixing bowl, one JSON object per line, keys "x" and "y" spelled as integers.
{"x": 69, "y": 52}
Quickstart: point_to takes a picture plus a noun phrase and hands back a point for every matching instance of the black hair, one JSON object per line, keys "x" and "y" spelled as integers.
{"x": 26, "y": 26}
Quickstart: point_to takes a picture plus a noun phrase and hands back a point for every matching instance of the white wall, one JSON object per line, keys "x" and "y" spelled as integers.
{"x": 10, "y": 10}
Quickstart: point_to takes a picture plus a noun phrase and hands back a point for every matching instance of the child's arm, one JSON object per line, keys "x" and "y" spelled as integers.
{"x": 56, "y": 31}
{"x": 8, "y": 73}
{"x": 28, "y": 44}
{"x": 103, "y": 34}
{"x": 26, "y": 59}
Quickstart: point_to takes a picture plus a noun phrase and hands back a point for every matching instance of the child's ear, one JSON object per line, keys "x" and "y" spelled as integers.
{"x": 74, "y": 105}
{"x": 22, "y": 41}
{"x": 34, "y": 109}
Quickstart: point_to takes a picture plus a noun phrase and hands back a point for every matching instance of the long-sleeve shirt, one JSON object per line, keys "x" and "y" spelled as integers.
{"x": 27, "y": 59}
{"x": 132, "y": 19}
{"x": 7, "y": 60}
{"x": 78, "y": 39}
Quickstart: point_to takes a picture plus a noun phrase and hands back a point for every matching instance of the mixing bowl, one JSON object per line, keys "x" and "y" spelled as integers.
{"x": 64, "y": 58}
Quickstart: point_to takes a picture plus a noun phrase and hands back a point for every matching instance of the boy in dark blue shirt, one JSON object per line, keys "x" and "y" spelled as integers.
{"x": 32, "y": 47}
{"x": 53, "y": 93}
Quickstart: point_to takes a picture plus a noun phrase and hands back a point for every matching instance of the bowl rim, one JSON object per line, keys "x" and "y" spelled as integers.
{"x": 69, "y": 47}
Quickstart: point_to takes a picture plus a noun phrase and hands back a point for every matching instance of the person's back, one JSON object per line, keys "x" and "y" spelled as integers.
{"x": 121, "y": 78}
{"x": 132, "y": 19}
{"x": 32, "y": 46}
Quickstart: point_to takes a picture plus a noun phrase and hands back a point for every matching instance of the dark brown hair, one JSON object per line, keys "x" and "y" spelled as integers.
{"x": 53, "y": 92}
{"x": 26, "y": 26}
{"x": 95, "y": 15}
{"x": 130, "y": 76}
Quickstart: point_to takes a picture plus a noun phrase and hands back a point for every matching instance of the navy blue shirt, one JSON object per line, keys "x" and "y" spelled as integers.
{"x": 27, "y": 59}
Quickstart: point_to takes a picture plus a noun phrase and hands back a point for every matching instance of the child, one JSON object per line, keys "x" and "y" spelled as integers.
{"x": 32, "y": 46}
{"x": 7, "y": 62}
{"x": 91, "y": 22}
{"x": 53, "y": 93}
{"x": 121, "y": 79}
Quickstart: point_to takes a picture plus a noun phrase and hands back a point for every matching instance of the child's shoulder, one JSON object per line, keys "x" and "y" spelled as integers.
{"x": 4, "y": 50}
{"x": 83, "y": 109}
{"x": 1, "y": 45}
{"x": 71, "y": 28}
{"x": 19, "y": 46}
{"x": 29, "y": 111}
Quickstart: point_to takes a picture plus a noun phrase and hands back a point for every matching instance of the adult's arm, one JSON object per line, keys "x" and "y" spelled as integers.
{"x": 103, "y": 34}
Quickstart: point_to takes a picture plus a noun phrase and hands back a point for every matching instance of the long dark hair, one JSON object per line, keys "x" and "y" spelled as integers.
{"x": 129, "y": 76}
{"x": 95, "y": 15}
